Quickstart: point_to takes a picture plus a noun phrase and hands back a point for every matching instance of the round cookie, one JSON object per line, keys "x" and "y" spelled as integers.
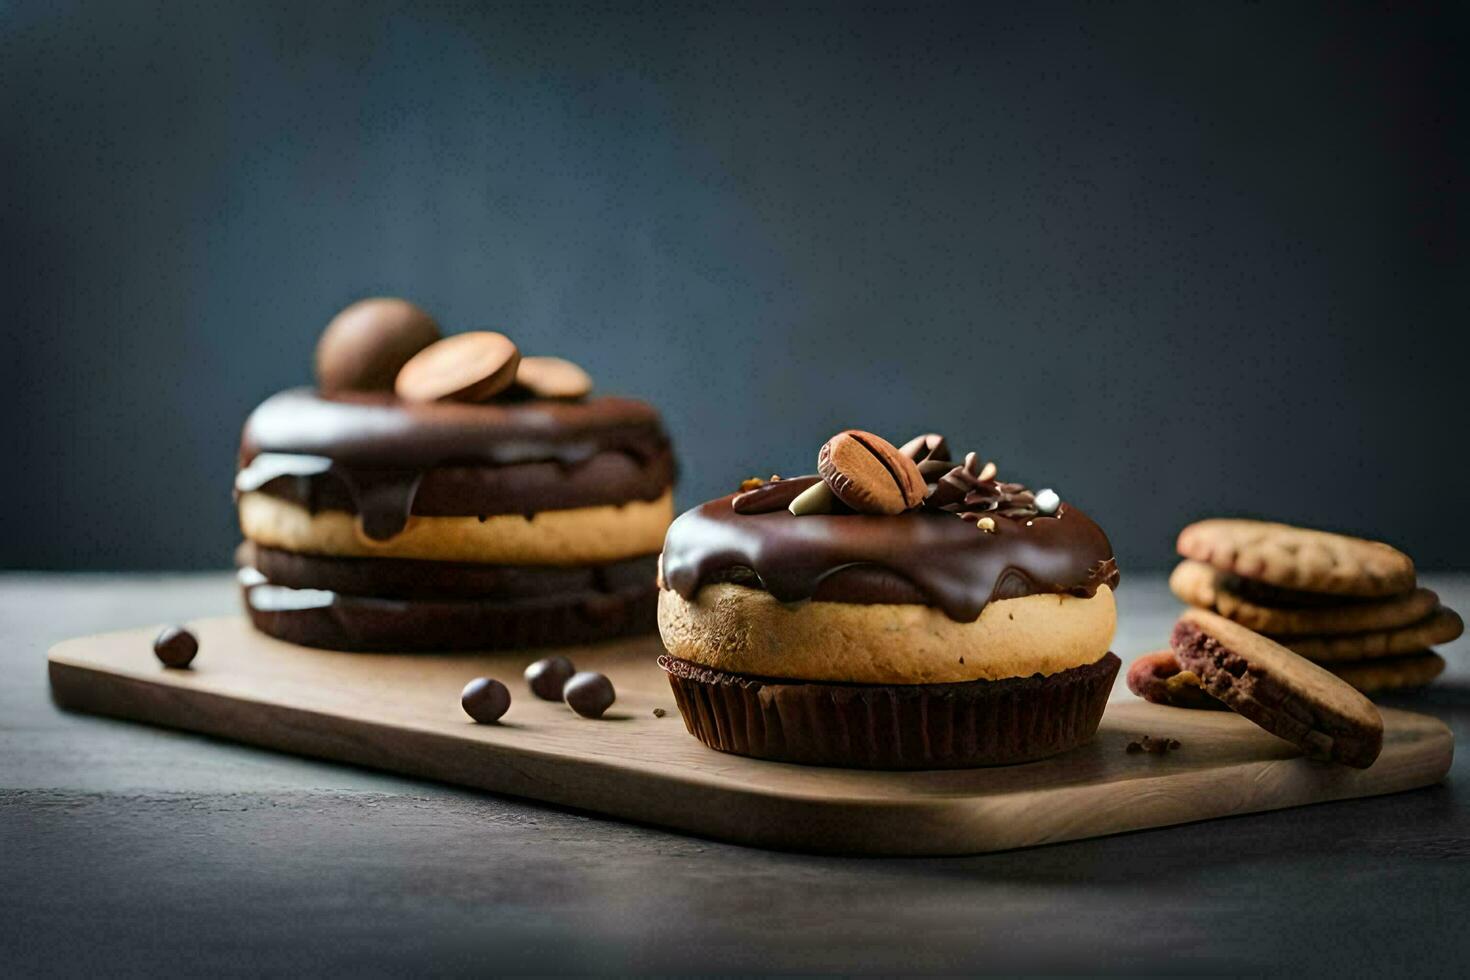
{"x": 333, "y": 621}
{"x": 747, "y": 631}
{"x": 411, "y": 578}
{"x": 554, "y": 537}
{"x": 1392, "y": 673}
{"x": 1440, "y": 626}
{"x": 1206, "y": 587}
{"x": 1298, "y": 558}
{"x": 467, "y": 367}
{"x": 1285, "y": 694}
{"x": 1157, "y": 677}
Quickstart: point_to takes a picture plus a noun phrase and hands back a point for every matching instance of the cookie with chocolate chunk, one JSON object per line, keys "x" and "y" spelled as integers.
{"x": 1209, "y": 588}
{"x": 1287, "y": 695}
{"x": 1440, "y": 626}
{"x": 1158, "y": 678}
{"x": 1298, "y": 558}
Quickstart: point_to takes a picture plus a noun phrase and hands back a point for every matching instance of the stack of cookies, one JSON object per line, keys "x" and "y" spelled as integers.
{"x": 1350, "y": 605}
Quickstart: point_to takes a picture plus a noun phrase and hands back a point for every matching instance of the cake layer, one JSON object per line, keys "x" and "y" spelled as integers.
{"x": 336, "y": 621}
{"x": 385, "y": 460}
{"x": 748, "y": 631}
{"x": 580, "y": 536}
{"x": 411, "y": 578}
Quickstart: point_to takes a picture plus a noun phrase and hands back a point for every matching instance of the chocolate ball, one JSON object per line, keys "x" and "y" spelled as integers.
{"x": 485, "y": 699}
{"x": 365, "y": 345}
{"x": 175, "y": 647}
{"x": 548, "y": 676}
{"x": 589, "y": 694}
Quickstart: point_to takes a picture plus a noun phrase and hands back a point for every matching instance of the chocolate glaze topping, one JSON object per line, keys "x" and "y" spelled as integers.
{"x": 383, "y": 459}
{"x": 935, "y": 558}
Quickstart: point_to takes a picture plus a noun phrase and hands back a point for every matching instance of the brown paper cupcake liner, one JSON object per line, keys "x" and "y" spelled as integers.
{"x": 334, "y": 621}
{"x": 892, "y": 726}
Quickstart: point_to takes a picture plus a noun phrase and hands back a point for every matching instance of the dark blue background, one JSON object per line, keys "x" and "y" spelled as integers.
{"x": 1171, "y": 260}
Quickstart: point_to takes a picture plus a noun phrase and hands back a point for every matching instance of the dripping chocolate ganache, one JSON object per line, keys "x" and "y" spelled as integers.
{"x": 857, "y": 616}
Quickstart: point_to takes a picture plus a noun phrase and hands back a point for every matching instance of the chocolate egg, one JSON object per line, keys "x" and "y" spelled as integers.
{"x": 366, "y": 344}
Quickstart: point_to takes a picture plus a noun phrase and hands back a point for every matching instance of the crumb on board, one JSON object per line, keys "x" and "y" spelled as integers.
{"x": 1152, "y": 744}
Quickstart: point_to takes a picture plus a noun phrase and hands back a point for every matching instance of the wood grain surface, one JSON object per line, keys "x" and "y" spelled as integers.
{"x": 401, "y": 713}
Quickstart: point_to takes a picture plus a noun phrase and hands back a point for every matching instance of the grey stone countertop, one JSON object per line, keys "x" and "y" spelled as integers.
{"x": 126, "y": 849}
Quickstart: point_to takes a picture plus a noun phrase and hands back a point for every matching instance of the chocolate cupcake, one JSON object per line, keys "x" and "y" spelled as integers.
{"x": 898, "y": 611}
{"x": 487, "y": 502}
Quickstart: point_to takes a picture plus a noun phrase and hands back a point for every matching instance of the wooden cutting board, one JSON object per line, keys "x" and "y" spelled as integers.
{"x": 400, "y": 712}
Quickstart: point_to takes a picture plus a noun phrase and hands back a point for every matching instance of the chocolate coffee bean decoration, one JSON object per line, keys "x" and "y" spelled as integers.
{"x": 548, "y": 676}
{"x": 868, "y": 474}
{"x": 175, "y": 647}
{"x": 366, "y": 344}
{"x": 589, "y": 694}
{"x": 485, "y": 699}
{"x": 467, "y": 367}
{"x": 552, "y": 377}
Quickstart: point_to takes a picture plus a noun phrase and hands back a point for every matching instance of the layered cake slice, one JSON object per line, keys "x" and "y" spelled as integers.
{"x": 481, "y": 505}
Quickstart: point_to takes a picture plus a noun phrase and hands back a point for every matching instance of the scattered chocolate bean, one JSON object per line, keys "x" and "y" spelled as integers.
{"x": 766, "y": 498}
{"x": 175, "y": 647}
{"x": 930, "y": 446}
{"x": 659, "y": 712}
{"x": 868, "y": 474}
{"x": 467, "y": 367}
{"x": 552, "y": 377}
{"x": 589, "y": 693}
{"x": 548, "y": 676}
{"x": 366, "y": 345}
{"x": 485, "y": 699}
